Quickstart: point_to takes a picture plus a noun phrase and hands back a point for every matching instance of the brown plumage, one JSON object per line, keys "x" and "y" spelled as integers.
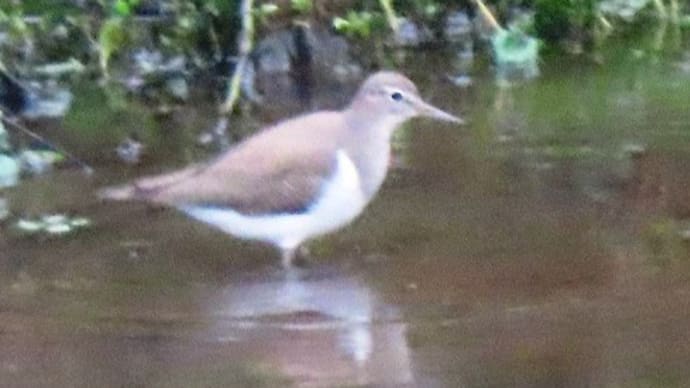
{"x": 276, "y": 171}
{"x": 287, "y": 168}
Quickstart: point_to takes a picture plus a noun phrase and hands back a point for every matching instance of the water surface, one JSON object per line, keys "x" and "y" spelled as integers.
{"x": 543, "y": 245}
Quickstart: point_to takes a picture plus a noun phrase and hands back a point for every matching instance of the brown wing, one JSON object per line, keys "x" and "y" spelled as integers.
{"x": 252, "y": 185}
{"x": 279, "y": 170}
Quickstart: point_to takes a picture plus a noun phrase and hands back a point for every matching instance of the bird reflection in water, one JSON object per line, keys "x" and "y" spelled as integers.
{"x": 320, "y": 326}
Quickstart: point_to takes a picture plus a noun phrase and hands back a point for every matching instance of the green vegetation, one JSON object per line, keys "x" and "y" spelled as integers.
{"x": 302, "y": 6}
{"x": 264, "y": 11}
{"x": 96, "y": 39}
{"x": 555, "y": 20}
{"x": 112, "y": 37}
{"x": 100, "y": 118}
{"x": 205, "y": 29}
{"x": 666, "y": 242}
{"x": 356, "y": 24}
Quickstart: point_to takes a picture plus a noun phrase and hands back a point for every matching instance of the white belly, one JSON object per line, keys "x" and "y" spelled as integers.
{"x": 341, "y": 200}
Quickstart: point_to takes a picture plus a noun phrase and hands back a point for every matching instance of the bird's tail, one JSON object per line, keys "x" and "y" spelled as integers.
{"x": 146, "y": 188}
{"x": 118, "y": 193}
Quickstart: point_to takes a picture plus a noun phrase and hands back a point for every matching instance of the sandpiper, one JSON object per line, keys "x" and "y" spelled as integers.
{"x": 297, "y": 179}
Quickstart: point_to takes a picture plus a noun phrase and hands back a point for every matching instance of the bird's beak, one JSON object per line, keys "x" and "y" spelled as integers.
{"x": 428, "y": 110}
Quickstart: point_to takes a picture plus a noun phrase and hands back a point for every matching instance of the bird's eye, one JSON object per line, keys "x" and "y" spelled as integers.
{"x": 397, "y": 96}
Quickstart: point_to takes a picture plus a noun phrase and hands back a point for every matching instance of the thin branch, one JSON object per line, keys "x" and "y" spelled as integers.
{"x": 393, "y": 22}
{"x": 83, "y": 165}
{"x": 604, "y": 22}
{"x": 484, "y": 10}
{"x": 660, "y": 9}
{"x": 245, "y": 43}
{"x": 674, "y": 10}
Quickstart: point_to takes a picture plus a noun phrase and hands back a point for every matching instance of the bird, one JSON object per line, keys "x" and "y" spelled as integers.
{"x": 297, "y": 179}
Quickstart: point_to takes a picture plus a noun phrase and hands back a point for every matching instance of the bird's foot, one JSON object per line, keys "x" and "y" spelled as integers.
{"x": 287, "y": 257}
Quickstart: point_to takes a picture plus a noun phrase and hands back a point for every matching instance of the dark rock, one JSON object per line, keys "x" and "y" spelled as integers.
{"x": 298, "y": 66}
{"x": 410, "y": 34}
{"x": 151, "y": 8}
{"x": 457, "y": 31}
{"x": 156, "y": 77}
{"x": 33, "y": 99}
{"x": 130, "y": 150}
{"x": 458, "y": 27}
{"x": 47, "y": 100}
{"x": 14, "y": 97}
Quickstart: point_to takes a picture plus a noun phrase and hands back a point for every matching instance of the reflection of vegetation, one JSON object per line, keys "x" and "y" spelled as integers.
{"x": 98, "y": 119}
{"x": 664, "y": 240}
{"x": 236, "y": 374}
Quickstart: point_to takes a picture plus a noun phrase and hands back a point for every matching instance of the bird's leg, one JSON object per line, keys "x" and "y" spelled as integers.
{"x": 288, "y": 256}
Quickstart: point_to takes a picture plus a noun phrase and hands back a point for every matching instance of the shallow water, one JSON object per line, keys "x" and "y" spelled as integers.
{"x": 542, "y": 245}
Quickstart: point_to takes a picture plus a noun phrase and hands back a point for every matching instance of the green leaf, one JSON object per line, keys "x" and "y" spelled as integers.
{"x": 111, "y": 37}
{"x": 125, "y": 7}
{"x": 122, "y": 8}
{"x": 355, "y": 24}
{"x": 302, "y": 6}
{"x": 267, "y": 9}
{"x": 340, "y": 24}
